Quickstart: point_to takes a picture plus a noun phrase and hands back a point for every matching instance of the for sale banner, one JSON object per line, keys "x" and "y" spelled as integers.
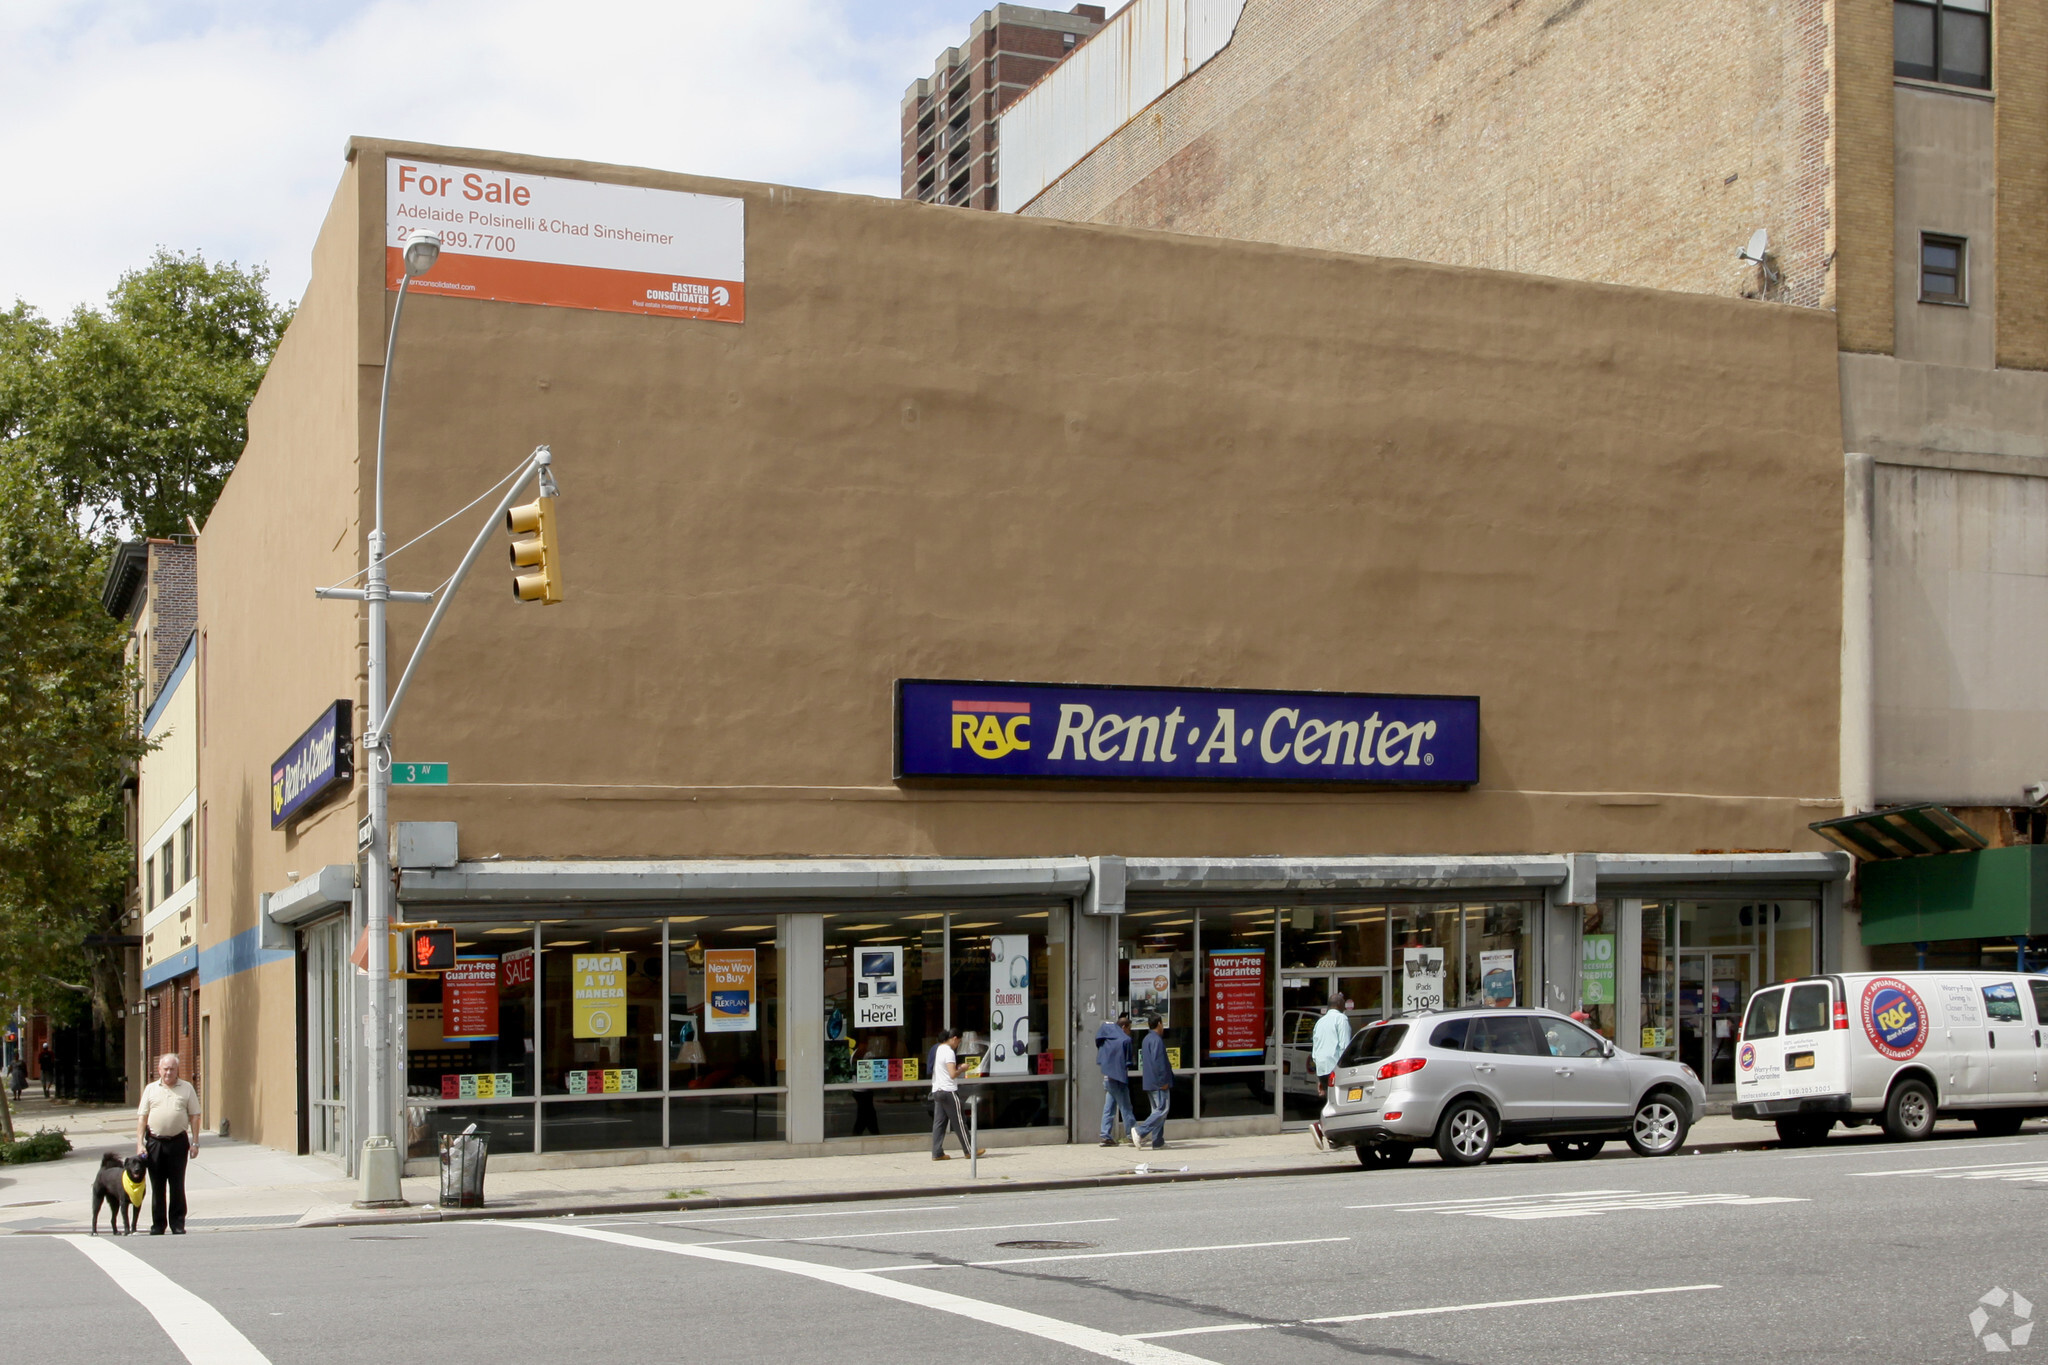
{"x": 1009, "y": 1005}
{"x": 469, "y": 1000}
{"x": 568, "y": 243}
{"x": 600, "y": 985}
{"x": 1237, "y": 1003}
{"x": 729, "y": 981}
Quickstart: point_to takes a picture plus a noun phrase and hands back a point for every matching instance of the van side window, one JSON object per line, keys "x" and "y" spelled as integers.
{"x": 2040, "y": 989}
{"x": 1450, "y": 1034}
{"x": 1807, "y": 1010}
{"x": 1763, "y": 1013}
{"x": 2002, "y": 1003}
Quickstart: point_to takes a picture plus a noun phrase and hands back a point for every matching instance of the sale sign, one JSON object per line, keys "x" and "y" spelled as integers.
{"x": 600, "y": 992}
{"x": 515, "y": 969}
{"x": 729, "y": 983}
{"x": 1237, "y": 1003}
{"x": 568, "y": 243}
{"x": 469, "y": 1000}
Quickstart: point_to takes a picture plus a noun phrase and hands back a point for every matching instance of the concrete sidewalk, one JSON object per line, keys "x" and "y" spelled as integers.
{"x": 240, "y": 1185}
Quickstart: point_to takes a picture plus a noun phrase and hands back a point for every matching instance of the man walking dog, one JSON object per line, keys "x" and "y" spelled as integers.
{"x": 167, "y": 1132}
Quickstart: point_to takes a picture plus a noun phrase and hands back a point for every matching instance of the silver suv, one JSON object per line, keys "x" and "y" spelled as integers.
{"x": 1466, "y": 1081}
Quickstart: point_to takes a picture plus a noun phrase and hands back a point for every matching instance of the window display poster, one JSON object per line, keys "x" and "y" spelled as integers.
{"x": 515, "y": 969}
{"x": 1009, "y": 1005}
{"x": 878, "y": 987}
{"x": 1151, "y": 990}
{"x": 469, "y": 1000}
{"x": 600, "y": 985}
{"x": 1596, "y": 969}
{"x": 1497, "y": 978}
{"x": 1237, "y": 1002}
{"x": 1422, "y": 979}
{"x": 731, "y": 997}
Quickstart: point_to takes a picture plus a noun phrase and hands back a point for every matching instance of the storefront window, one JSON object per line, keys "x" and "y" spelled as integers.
{"x": 1659, "y": 979}
{"x": 1157, "y": 974}
{"x": 601, "y": 1014}
{"x": 1599, "y": 941}
{"x": 1426, "y": 955}
{"x": 469, "y": 1034}
{"x": 1008, "y": 976}
{"x": 1235, "y": 1040}
{"x": 724, "y": 990}
{"x": 1497, "y": 954}
{"x": 885, "y": 1009}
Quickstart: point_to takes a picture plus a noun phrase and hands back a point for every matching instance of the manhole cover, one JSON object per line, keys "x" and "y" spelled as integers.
{"x": 1048, "y": 1246}
{"x": 387, "y": 1237}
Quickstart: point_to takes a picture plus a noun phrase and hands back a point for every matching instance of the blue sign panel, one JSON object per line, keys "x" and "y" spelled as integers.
{"x": 319, "y": 764}
{"x": 1143, "y": 734}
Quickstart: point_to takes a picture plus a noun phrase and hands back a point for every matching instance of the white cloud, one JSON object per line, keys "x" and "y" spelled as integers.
{"x": 219, "y": 127}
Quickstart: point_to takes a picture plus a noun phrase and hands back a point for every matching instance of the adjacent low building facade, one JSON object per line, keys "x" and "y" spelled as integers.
{"x": 1169, "y": 624}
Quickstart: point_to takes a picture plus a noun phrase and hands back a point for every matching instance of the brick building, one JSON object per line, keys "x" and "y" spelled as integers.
{"x": 1894, "y": 153}
{"x": 949, "y": 118}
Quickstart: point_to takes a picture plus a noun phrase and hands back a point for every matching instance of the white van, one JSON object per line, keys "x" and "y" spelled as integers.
{"x": 1898, "y": 1048}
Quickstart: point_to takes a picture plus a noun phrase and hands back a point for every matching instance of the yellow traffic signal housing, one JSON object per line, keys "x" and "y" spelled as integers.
{"x": 537, "y": 552}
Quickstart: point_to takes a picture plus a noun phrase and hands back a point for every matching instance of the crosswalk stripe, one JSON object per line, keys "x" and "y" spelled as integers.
{"x": 194, "y": 1326}
{"x": 1423, "y": 1312}
{"x": 1582, "y": 1204}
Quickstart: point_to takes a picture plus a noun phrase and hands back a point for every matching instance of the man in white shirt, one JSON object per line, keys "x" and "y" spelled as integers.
{"x": 946, "y": 1069}
{"x": 167, "y": 1132}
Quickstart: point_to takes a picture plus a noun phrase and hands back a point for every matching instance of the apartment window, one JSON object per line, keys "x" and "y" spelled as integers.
{"x": 185, "y": 852}
{"x": 149, "y": 883}
{"x": 1944, "y": 262}
{"x": 1942, "y": 40}
{"x": 169, "y": 867}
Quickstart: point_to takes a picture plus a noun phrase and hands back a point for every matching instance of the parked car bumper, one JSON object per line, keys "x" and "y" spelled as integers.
{"x": 1349, "y": 1125}
{"x": 1791, "y": 1108}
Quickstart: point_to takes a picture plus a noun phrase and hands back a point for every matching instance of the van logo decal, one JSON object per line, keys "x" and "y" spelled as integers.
{"x": 1747, "y": 1056}
{"x": 1894, "y": 1018}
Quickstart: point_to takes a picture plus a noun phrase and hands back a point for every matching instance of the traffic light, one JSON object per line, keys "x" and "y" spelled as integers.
{"x": 433, "y": 950}
{"x": 537, "y": 552}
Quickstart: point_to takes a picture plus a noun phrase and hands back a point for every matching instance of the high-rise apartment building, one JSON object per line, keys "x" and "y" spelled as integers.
{"x": 1884, "y": 160}
{"x": 949, "y": 118}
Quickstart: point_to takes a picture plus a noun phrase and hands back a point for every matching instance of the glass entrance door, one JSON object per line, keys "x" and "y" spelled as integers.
{"x": 327, "y": 1060}
{"x": 1713, "y": 990}
{"x": 1303, "y": 996}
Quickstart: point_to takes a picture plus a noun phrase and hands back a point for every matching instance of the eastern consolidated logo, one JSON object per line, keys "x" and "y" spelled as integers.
{"x": 1894, "y": 1018}
{"x": 992, "y": 728}
{"x": 1747, "y": 1057}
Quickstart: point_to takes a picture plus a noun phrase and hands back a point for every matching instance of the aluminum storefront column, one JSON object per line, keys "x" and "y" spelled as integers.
{"x": 803, "y": 1024}
{"x": 1098, "y": 917}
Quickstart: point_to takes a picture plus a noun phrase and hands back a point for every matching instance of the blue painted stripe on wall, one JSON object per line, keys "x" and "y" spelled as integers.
{"x": 177, "y": 964}
{"x": 232, "y": 957}
{"x": 163, "y": 696}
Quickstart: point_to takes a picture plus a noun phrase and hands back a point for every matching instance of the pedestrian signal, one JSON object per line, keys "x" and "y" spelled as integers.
{"x": 536, "y": 553}
{"x": 433, "y": 950}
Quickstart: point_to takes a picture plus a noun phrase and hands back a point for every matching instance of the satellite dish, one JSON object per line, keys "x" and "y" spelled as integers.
{"x": 1759, "y": 243}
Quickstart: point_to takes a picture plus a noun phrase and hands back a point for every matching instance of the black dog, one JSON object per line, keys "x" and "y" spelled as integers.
{"x": 107, "y": 1189}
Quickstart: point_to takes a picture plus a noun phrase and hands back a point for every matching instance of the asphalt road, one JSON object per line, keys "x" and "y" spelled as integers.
{"x": 1861, "y": 1250}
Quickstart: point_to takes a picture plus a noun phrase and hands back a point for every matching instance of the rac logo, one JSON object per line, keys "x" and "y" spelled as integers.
{"x": 980, "y": 726}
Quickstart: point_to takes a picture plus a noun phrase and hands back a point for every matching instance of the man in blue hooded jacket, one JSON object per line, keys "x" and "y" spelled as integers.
{"x": 1156, "y": 1074}
{"x": 1113, "y": 1055}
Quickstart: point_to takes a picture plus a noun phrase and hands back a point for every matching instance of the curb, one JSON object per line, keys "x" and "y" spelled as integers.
{"x": 369, "y": 1218}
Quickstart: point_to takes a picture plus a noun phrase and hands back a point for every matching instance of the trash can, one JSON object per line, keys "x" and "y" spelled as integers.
{"x": 462, "y": 1168}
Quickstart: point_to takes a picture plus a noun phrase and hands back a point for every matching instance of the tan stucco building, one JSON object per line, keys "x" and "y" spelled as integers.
{"x": 1609, "y": 514}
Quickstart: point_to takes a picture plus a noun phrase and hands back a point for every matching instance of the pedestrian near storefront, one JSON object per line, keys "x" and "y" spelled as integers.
{"x": 946, "y": 1069}
{"x": 1327, "y": 1043}
{"x": 167, "y": 1132}
{"x": 1155, "y": 1073}
{"x": 17, "y": 1077}
{"x": 1113, "y": 1055}
{"x": 46, "y": 1069}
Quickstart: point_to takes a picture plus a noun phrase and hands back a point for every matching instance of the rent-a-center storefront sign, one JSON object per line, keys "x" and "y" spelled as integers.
{"x": 568, "y": 243}
{"x": 1051, "y": 730}
{"x": 320, "y": 764}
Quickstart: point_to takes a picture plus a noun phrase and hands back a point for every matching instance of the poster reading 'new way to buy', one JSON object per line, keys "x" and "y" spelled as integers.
{"x": 568, "y": 243}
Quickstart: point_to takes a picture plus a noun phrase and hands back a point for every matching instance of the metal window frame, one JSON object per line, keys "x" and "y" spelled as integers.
{"x": 1961, "y": 298}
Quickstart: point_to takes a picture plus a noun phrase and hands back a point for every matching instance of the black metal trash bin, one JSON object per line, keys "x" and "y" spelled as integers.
{"x": 463, "y": 1156}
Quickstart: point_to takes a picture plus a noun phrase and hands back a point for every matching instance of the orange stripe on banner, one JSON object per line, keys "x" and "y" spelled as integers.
{"x": 574, "y": 286}
{"x": 1007, "y": 708}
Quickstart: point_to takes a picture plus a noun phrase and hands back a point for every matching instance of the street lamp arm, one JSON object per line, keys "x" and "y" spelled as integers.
{"x": 539, "y": 463}
{"x": 358, "y": 595}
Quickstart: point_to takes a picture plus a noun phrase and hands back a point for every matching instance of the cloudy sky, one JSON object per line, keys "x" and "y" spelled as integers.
{"x": 218, "y": 127}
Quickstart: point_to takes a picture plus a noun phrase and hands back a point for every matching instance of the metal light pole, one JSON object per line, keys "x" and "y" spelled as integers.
{"x": 382, "y": 1163}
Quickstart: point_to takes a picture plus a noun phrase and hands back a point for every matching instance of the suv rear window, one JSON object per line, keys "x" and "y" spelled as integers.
{"x": 1762, "y": 1021}
{"x": 1373, "y": 1045}
{"x": 1807, "y": 1012}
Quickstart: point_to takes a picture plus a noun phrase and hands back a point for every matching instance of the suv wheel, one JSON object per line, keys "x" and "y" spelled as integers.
{"x": 1466, "y": 1134}
{"x": 1659, "y": 1126}
{"x": 1577, "y": 1149}
{"x": 1384, "y": 1155}
{"x": 1909, "y": 1113}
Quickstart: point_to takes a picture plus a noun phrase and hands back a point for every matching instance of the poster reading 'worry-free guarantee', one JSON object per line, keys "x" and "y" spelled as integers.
{"x": 568, "y": 243}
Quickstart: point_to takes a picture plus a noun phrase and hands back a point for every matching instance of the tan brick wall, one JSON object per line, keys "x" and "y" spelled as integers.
{"x": 1633, "y": 141}
{"x": 2020, "y": 73}
{"x": 1864, "y": 195}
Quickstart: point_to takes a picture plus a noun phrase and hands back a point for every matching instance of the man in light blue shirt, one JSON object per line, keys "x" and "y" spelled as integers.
{"x": 1327, "y": 1043}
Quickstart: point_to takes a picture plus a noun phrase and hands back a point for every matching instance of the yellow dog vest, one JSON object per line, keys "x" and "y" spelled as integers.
{"x": 134, "y": 1189}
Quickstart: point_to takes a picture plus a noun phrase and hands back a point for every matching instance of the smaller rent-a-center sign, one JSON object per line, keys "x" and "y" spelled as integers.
{"x": 568, "y": 243}
{"x": 320, "y": 764}
{"x": 1050, "y": 730}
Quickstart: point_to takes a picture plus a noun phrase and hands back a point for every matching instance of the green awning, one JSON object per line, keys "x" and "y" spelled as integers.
{"x": 1982, "y": 893}
{"x": 1901, "y": 832}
